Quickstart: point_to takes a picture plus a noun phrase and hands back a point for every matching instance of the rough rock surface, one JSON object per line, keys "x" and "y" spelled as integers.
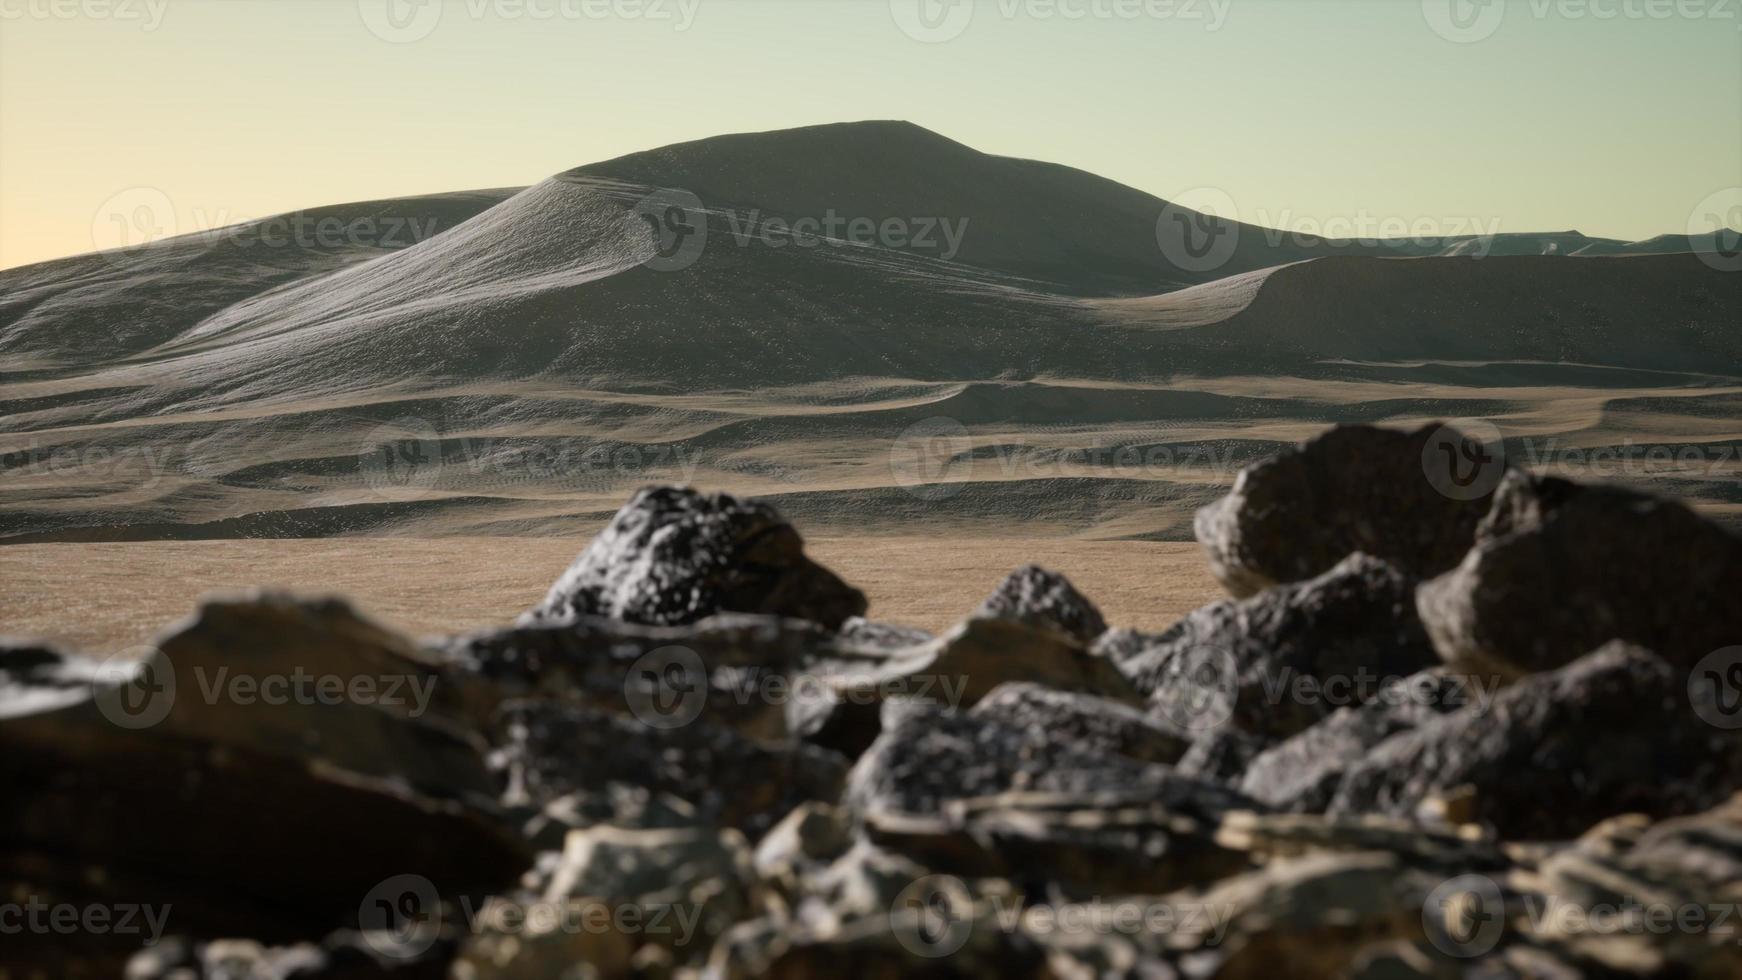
{"x": 716, "y": 672}
{"x": 1560, "y": 568}
{"x": 1303, "y": 772}
{"x": 674, "y": 556}
{"x": 932, "y": 758}
{"x": 842, "y": 698}
{"x": 550, "y": 751}
{"x": 1038, "y": 597}
{"x": 1355, "y": 488}
{"x": 1276, "y": 663}
{"x": 1084, "y": 721}
{"x": 1609, "y": 734}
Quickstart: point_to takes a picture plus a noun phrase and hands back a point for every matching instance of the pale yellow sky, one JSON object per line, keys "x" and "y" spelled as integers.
{"x": 1342, "y": 116}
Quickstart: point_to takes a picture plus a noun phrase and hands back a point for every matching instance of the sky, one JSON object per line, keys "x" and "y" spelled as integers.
{"x": 1355, "y": 118}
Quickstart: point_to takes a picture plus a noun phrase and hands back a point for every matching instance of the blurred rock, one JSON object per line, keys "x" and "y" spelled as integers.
{"x": 732, "y": 671}
{"x": 932, "y": 758}
{"x": 1560, "y": 568}
{"x": 554, "y": 750}
{"x": 1086, "y": 722}
{"x": 1276, "y": 663}
{"x": 107, "y": 809}
{"x": 1303, "y": 772}
{"x": 1555, "y": 753}
{"x": 1403, "y": 497}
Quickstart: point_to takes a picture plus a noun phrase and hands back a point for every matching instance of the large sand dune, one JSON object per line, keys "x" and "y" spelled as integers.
{"x": 1051, "y": 370}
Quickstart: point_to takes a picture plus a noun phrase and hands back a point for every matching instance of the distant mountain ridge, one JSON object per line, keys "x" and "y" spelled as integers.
{"x": 677, "y": 294}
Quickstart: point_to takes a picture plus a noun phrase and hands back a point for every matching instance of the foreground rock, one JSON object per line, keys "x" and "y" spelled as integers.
{"x": 554, "y": 751}
{"x": 674, "y": 556}
{"x": 1412, "y": 499}
{"x": 116, "y": 798}
{"x": 1303, "y": 772}
{"x": 1560, "y": 568}
{"x": 725, "y": 671}
{"x": 1555, "y": 753}
{"x": 1276, "y": 663}
{"x": 931, "y": 758}
{"x": 845, "y": 696}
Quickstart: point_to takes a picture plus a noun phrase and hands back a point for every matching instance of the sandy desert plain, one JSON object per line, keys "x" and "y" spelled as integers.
{"x": 436, "y": 427}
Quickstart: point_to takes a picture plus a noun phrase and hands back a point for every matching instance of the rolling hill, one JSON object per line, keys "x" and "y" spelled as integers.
{"x": 796, "y": 314}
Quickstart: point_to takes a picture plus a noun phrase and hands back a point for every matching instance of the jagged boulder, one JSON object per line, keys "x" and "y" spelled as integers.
{"x": 1038, "y": 597}
{"x": 1303, "y": 772}
{"x": 674, "y": 556}
{"x": 1275, "y": 663}
{"x": 551, "y": 751}
{"x": 842, "y": 698}
{"x": 1559, "y": 568}
{"x": 933, "y": 757}
{"x": 1410, "y": 498}
{"x": 1089, "y": 723}
{"x": 1555, "y": 753}
{"x": 732, "y": 671}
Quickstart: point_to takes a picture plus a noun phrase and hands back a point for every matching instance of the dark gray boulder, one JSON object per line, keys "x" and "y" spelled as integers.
{"x": 844, "y": 695}
{"x": 930, "y": 758}
{"x": 551, "y": 750}
{"x": 123, "y": 791}
{"x": 1038, "y": 597}
{"x": 1091, "y": 723}
{"x": 1301, "y": 773}
{"x": 1275, "y": 663}
{"x": 732, "y": 670}
{"x": 1555, "y": 753}
{"x": 673, "y": 556}
{"x": 1410, "y": 498}
{"x": 1560, "y": 568}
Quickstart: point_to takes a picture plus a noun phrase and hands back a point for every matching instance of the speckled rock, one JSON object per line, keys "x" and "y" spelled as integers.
{"x": 673, "y": 556}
